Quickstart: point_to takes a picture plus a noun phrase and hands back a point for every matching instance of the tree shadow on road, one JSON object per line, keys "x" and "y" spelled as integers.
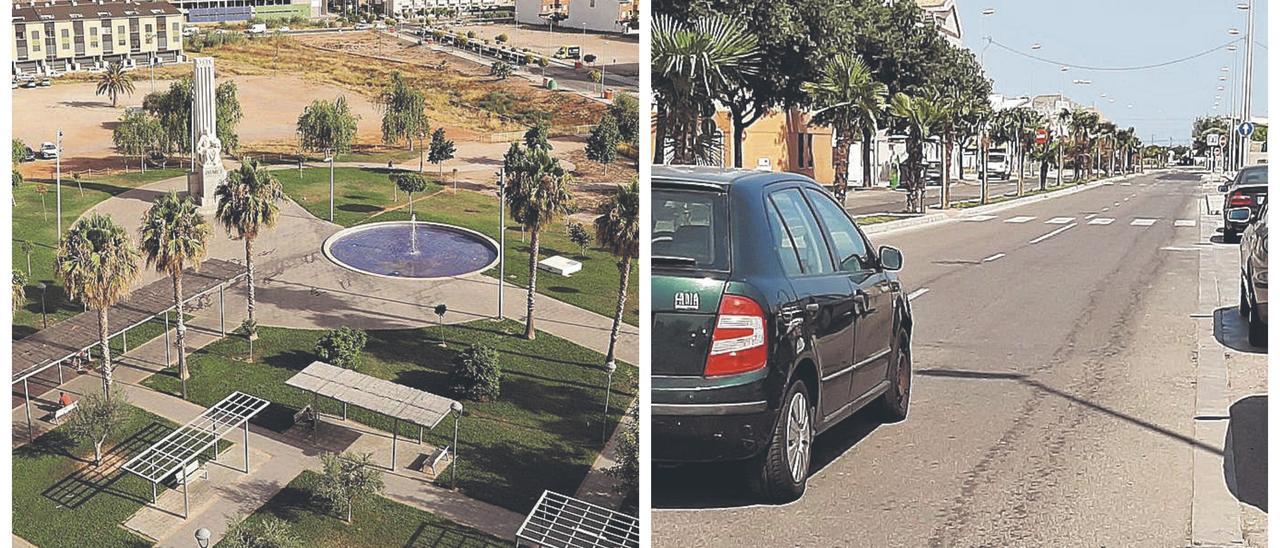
{"x": 1245, "y": 462}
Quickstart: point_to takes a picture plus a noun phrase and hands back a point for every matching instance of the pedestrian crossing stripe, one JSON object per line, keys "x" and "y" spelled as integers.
{"x": 1102, "y": 221}
{"x": 1107, "y": 183}
{"x": 1184, "y": 222}
{"x": 1059, "y": 220}
{"x": 1019, "y": 220}
{"x": 978, "y": 218}
{"x": 1126, "y": 184}
{"x": 1142, "y": 222}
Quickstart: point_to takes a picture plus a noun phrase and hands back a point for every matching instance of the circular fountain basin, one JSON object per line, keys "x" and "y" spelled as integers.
{"x": 385, "y": 249}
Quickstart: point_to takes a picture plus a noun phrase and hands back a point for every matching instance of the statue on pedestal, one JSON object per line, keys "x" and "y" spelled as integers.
{"x": 207, "y": 170}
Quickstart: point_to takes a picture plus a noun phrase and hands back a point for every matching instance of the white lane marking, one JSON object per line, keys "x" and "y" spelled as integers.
{"x": 978, "y": 218}
{"x": 1142, "y": 222}
{"x": 1126, "y": 184}
{"x": 1052, "y": 234}
{"x": 1059, "y": 220}
{"x": 912, "y": 296}
{"x": 1108, "y": 183}
{"x": 1106, "y": 209}
{"x": 993, "y": 257}
{"x": 1019, "y": 219}
{"x": 1126, "y": 198}
{"x": 1090, "y": 216}
{"x": 1177, "y": 248}
{"x": 1117, "y": 204}
{"x": 1184, "y": 222}
{"x": 1102, "y": 221}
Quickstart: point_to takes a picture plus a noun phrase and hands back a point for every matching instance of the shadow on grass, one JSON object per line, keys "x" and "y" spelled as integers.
{"x": 436, "y": 535}
{"x": 89, "y": 481}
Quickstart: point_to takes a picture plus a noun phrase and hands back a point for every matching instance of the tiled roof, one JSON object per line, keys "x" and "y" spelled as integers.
{"x": 62, "y": 10}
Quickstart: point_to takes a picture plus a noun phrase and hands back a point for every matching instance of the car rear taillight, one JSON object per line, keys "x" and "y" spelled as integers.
{"x": 738, "y": 343}
{"x": 1238, "y": 199}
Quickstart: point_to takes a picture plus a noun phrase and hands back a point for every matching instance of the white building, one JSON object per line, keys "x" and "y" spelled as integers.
{"x": 593, "y": 15}
{"x": 412, "y": 6}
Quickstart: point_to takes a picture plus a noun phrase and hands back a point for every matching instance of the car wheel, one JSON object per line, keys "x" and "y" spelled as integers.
{"x": 1244, "y": 299}
{"x": 1257, "y": 328}
{"x": 784, "y": 466}
{"x": 894, "y": 403}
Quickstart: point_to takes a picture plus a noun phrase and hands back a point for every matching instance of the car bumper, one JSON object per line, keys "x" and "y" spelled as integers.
{"x": 706, "y": 420}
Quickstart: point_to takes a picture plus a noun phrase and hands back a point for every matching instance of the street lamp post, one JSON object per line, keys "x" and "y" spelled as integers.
{"x": 58, "y": 181}
{"x": 502, "y": 235}
{"x": 44, "y": 318}
{"x": 202, "y": 537}
{"x": 453, "y": 467}
{"x": 1247, "y": 98}
{"x": 609, "y": 368}
{"x": 330, "y": 159}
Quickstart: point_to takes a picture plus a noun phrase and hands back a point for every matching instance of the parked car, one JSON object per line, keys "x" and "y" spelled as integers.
{"x": 997, "y": 165}
{"x": 1247, "y": 190}
{"x": 30, "y": 84}
{"x": 28, "y": 154}
{"x": 775, "y": 318}
{"x": 48, "y": 151}
{"x": 260, "y": 28}
{"x": 1253, "y": 273}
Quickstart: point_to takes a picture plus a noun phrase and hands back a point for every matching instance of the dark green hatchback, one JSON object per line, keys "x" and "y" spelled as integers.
{"x": 774, "y": 319}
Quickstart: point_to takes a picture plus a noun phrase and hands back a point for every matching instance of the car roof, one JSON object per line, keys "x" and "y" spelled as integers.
{"x": 720, "y": 176}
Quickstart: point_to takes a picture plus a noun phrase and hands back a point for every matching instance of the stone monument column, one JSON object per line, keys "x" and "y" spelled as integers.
{"x": 207, "y": 171}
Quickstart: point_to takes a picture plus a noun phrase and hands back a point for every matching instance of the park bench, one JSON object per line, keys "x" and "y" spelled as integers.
{"x": 304, "y": 415}
{"x": 436, "y": 457}
{"x": 64, "y": 411}
{"x": 191, "y": 471}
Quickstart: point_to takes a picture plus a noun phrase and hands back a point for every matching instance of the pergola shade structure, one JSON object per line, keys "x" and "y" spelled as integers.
{"x": 381, "y": 396}
{"x": 170, "y": 457}
{"x": 559, "y": 521}
{"x": 36, "y": 355}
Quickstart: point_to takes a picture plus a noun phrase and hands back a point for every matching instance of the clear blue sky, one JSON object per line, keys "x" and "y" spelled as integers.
{"x": 1122, "y": 33}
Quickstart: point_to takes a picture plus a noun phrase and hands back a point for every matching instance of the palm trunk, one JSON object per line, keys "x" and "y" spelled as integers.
{"x": 946, "y": 174}
{"x": 248, "y": 262}
{"x": 624, "y": 274}
{"x": 739, "y": 131}
{"x": 106, "y": 351}
{"x": 840, "y": 163}
{"x": 533, "y": 284}
{"x": 660, "y": 133}
{"x": 183, "y": 374}
{"x": 866, "y": 157}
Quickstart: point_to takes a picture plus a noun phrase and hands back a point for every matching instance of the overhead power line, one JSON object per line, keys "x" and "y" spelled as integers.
{"x": 991, "y": 41}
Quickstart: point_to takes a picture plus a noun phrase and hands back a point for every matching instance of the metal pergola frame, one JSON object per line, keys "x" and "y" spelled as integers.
{"x": 26, "y": 374}
{"x": 170, "y": 456}
{"x": 561, "y": 521}
{"x": 381, "y": 396}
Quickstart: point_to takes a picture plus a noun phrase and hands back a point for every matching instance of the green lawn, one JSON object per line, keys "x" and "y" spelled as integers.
{"x": 38, "y": 225}
{"x": 377, "y": 522}
{"x": 542, "y": 433}
{"x": 362, "y": 195}
{"x": 59, "y": 499}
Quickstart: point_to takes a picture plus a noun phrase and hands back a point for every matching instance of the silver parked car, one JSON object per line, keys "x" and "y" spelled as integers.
{"x": 1253, "y": 272}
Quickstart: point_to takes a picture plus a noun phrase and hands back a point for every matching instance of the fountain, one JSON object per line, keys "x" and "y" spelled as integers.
{"x": 413, "y": 233}
{"x": 390, "y": 249}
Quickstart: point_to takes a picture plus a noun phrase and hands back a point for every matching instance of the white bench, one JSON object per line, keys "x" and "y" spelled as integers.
{"x": 560, "y": 264}
{"x": 64, "y": 411}
{"x": 189, "y": 472}
{"x": 436, "y": 457}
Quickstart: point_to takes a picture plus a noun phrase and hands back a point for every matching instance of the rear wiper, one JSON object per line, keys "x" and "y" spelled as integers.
{"x": 667, "y": 259}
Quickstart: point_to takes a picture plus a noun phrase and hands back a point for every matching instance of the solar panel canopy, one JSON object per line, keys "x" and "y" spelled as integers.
{"x": 560, "y": 521}
{"x": 377, "y": 395}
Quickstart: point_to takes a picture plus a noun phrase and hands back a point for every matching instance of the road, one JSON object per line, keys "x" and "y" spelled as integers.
{"x": 884, "y": 200}
{"x": 1053, "y": 401}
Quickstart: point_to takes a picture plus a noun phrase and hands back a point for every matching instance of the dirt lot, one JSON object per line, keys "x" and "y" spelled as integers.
{"x": 606, "y": 47}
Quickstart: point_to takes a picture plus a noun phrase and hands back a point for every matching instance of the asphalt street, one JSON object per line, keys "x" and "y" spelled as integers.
{"x": 883, "y": 200}
{"x": 1053, "y": 401}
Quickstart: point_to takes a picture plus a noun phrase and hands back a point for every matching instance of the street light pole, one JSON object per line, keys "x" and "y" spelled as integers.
{"x": 58, "y": 182}
{"x": 1248, "y": 76}
{"x": 453, "y": 467}
{"x": 502, "y": 235}
{"x": 331, "y": 154}
{"x": 608, "y": 388}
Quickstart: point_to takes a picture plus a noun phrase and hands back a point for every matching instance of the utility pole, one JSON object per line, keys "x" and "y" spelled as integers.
{"x": 58, "y": 182}
{"x": 1248, "y": 78}
{"x": 502, "y": 235}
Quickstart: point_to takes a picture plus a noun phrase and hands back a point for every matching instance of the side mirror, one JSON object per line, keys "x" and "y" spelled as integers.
{"x": 890, "y": 258}
{"x": 1223, "y": 188}
{"x": 1239, "y": 215}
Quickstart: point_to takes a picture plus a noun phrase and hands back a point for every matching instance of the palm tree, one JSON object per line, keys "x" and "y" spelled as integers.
{"x": 692, "y": 64}
{"x": 618, "y": 230}
{"x": 247, "y": 205}
{"x": 847, "y": 98}
{"x": 175, "y": 236}
{"x": 18, "y": 291}
{"x": 97, "y": 263}
{"x": 920, "y": 116}
{"x": 115, "y": 81}
{"x": 538, "y": 193}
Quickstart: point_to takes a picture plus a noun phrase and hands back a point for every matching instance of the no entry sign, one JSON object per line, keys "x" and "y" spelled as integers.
{"x": 1042, "y": 136}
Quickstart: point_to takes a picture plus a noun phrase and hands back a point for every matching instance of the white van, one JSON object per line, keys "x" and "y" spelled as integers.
{"x": 260, "y": 28}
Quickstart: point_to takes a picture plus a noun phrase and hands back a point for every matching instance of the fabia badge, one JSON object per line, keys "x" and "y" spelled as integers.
{"x": 687, "y": 300}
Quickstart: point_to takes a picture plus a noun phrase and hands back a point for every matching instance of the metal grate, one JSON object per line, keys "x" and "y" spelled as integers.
{"x": 171, "y": 454}
{"x": 559, "y": 521}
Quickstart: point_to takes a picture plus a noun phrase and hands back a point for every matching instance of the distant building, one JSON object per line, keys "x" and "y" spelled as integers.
{"x": 594, "y": 15}
{"x": 410, "y": 7}
{"x": 944, "y": 15}
{"x": 71, "y": 35}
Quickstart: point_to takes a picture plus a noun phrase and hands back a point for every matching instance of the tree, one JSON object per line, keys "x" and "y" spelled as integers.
{"x": 476, "y": 374}
{"x": 172, "y": 108}
{"x": 602, "y": 143}
{"x": 501, "y": 70}
{"x": 346, "y": 479}
{"x": 919, "y": 116}
{"x": 248, "y": 205}
{"x": 269, "y": 532}
{"x": 538, "y": 136}
{"x": 342, "y": 347}
{"x": 848, "y": 100}
{"x": 693, "y": 65}
{"x": 501, "y": 38}
{"x": 27, "y": 249}
{"x": 97, "y": 418}
{"x": 537, "y": 192}
{"x": 625, "y": 110}
{"x": 410, "y": 183}
{"x": 115, "y": 81}
{"x": 580, "y": 237}
{"x": 440, "y": 310}
{"x": 174, "y": 237}
{"x": 441, "y": 150}
{"x": 404, "y": 113}
{"x": 328, "y": 126}
{"x": 618, "y": 230}
{"x": 137, "y": 134}
{"x": 97, "y": 263}
{"x": 18, "y": 290}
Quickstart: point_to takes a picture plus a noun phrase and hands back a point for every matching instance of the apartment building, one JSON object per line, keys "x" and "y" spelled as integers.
{"x": 68, "y": 35}
{"x": 594, "y": 15}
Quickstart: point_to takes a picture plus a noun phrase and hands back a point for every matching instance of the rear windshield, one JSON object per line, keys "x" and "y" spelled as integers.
{"x": 1252, "y": 177}
{"x": 690, "y": 229}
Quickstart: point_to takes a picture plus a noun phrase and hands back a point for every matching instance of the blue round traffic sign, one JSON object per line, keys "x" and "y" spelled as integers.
{"x": 1245, "y": 129}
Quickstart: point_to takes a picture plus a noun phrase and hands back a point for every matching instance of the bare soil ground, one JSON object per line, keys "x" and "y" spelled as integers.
{"x": 615, "y": 49}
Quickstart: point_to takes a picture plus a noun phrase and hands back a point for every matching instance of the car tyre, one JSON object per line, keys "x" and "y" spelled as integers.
{"x": 783, "y": 468}
{"x": 1244, "y": 299}
{"x": 1257, "y": 328}
{"x": 896, "y": 401}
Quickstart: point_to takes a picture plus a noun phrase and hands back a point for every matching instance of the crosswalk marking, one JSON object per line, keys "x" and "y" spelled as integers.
{"x": 1184, "y": 222}
{"x": 1019, "y": 219}
{"x": 993, "y": 257}
{"x": 1107, "y": 183}
{"x": 1059, "y": 220}
{"x": 1052, "y": 234}
{"x": 1090, "y": 216}
{"x": 1106, "y": 209}
{"x": 1102, "y": 221}
{"x": 978, "y": 218}
{"x": 1128, "y": 184}
{"x": 1142, "y": 222}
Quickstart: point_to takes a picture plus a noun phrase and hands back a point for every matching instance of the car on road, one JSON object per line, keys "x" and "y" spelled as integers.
{"x": 27, "y": 154}
{"x": 997, "y": 165}
{"x": 1247, "y": 190}
{"x": 774, "y": 319}
{"x": 48, "y": 151}
{"x": 1253, "y": 273}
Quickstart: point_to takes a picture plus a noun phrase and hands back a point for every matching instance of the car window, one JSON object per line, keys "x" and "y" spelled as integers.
{"x": 846, "y": 241}
{"x": 782, "y": 243}
{"x": 691, "y": 225}
{"x": 1252, "y": 177}
{"x": 802, "y": 228}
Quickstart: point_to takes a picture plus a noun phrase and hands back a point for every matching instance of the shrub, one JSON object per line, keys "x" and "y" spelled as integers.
{"x": 342, "y": 347}
{"x": 580, "y": 237}
{"x": 271, "y": 532}
{"x": 347, "y": 479}
{"x": 589, "y": 58}
{"x": 475, "y": 374}
{"x": 502, "y": 38}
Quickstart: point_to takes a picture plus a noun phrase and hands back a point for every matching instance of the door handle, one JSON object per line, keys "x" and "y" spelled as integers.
{"x": 862, "y": 304}
{"x": 811, "y": 308}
